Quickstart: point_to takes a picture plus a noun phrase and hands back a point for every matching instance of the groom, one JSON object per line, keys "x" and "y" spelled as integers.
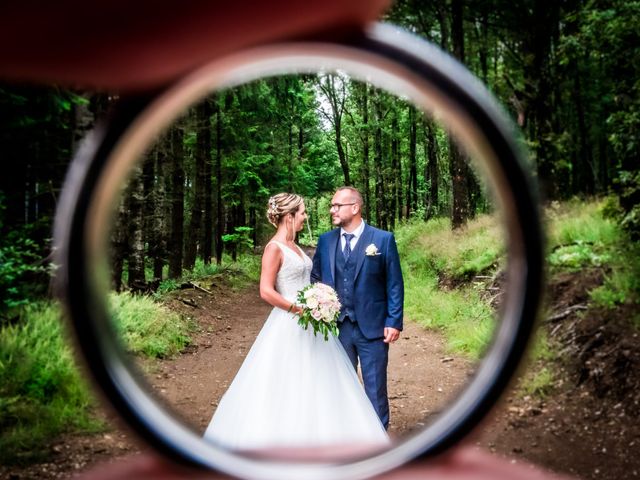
{"x": 362, "y": 264}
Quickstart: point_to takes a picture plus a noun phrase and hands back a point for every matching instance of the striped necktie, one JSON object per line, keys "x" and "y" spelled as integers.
{"x": 347, "y": 246}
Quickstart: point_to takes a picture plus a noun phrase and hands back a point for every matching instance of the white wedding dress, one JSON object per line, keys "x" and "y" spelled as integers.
{"x": 294, "y": 389}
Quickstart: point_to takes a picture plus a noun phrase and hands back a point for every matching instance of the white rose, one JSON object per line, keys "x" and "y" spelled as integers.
{"x": 371, "y": 250}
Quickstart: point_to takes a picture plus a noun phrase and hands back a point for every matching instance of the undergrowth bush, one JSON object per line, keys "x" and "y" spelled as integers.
{"x": 584, "y": 235}
{"x": 438, "y": 266}
{"x": 236, "y": 274}
{"x": 41, "y": 391}
{"x": 149, "y": 328}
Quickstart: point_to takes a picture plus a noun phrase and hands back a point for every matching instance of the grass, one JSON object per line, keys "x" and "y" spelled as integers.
{"x": 439, "y": 267}
{"x": 433, "y": 255}
{"x": 459, "y": 254}
{"x": 41, "y": 391}
{"x": 147, "y": 327}
{"x": 538, "y": 383}
{"x": 236, "y": 275}
{"x": 582, "y": 235}
{"x": 42, "y": 394}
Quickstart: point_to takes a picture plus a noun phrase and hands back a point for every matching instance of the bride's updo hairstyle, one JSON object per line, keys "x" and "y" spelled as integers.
{"x": 282, "y": 204}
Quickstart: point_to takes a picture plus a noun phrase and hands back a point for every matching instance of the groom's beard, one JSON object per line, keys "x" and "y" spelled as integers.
{"x": 343, "y": 222}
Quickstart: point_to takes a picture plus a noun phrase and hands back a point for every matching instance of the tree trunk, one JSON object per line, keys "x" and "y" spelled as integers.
{"x": 584, "y": 180}
{"x": 194, "y": 231}
{"x": 219, "y": 179}
{"x": 381, "y": 207}
{"x": 431, "y": 172}
{"x": 207, "y": 230}
{"x": 336, "y": 101}
{"x": 365, "y": 151}
{"x": 137, "y": 281}
{"x": 177, "y": 203}
{"x": 149, "y": 203}
{"x": 396, "y": 174}
{"x": 458, "y": 168}
{"x": 157, "y": 244}
{"x": 541, "y": 27}
{"x": 412, "y": 181}
{"x": 119, "y": 242}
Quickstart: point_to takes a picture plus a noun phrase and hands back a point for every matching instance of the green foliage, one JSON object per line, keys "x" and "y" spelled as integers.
{"x": 579, "y": 235}
{"x": 247, "y": 267}
{"x": 580, "y": 222}
{"x": 584, "y": 235}
{"x": 629, "y": 188}
{"x": 240, "y": 239}
{"x": 622, "y": 281}
{"x": 538, "y": 383}
{"x": 433, "y": 256}
{"x": 201, "y": 270}
{"x": 42, "y": 393}
{"x": 538, "y": 380}
{"x": 576, "y": 256}
{"x": 20, "y": 265}
{"x": 166, "y": 286}
{"x": 19, "y": 262}
{"x": 148, "y": 328}
{"x": 459, "y": 254}
{"x": 238, "y": 274}
{"x": 609, "y": 34}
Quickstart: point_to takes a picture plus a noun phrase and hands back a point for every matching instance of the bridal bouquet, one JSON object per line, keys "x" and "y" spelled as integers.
{"x": 320, "y": 309}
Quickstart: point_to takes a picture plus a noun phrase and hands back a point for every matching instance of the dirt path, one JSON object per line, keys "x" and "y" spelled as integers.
{"x": 586, "y": 426}
{"x": 422, "y": 378}
{"x": 421, "y": 375}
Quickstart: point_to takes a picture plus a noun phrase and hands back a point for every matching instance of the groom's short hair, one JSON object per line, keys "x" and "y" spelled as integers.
{"x": 355, "y": 193}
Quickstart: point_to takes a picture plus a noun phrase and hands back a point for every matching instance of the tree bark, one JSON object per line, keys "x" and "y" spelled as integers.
{"x": 336, "y": 101}
{"x": 381, "y": 207}
{"x": 207, "y": 230}
{"x": 431, "y": 171}
{"x": 194, "y": 232}
{"x": 177, "y": 203}
{"x": 366, "y": 174}
{"x": 157, "y": 243}
{"x": 137, "y": 281}
{"x": 219, "y": 180}
{"x": 458, "y": 168}
{"x": 396, "y": 173}
{"x": 119, "y": 243}
{"x": 412, "y": 181}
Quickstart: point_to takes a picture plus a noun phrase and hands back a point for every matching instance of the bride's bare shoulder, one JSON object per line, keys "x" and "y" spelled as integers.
{"x": 272, "y": 250}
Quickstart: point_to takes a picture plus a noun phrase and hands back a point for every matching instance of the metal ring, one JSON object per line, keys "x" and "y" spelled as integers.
{"x": 388, "y": 58}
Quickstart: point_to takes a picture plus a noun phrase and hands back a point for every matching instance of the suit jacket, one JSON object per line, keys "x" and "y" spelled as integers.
{"x": 378, "y": 285}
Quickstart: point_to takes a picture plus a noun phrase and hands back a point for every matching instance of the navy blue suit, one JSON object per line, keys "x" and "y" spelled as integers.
{"x": 375, "y": 296}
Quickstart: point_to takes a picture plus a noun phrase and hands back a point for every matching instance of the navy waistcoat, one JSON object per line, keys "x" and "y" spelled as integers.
{"x": 345, "y": 277}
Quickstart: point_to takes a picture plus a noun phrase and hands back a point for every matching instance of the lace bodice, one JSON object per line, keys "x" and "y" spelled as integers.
{"x": 294, "y": 273}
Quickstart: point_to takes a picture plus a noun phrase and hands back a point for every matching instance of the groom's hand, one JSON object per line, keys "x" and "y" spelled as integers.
{"x": 391, "y": 334}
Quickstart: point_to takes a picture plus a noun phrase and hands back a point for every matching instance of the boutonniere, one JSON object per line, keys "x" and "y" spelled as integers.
{"x": 372, "y": 250}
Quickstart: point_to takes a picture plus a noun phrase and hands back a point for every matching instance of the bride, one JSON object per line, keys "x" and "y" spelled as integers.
{"x": 294, "y": 389}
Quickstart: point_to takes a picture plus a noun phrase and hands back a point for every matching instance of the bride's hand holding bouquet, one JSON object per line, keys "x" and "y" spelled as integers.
{"x": 318, "y": 306}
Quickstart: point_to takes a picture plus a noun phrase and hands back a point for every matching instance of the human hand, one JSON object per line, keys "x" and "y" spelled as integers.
{"x": 391, "y": 334}
{"x": 127, "y": 46}
{"x": 296, "y": 309}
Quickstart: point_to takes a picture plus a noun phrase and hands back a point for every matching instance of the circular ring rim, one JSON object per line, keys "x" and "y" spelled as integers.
{"x": 382, "y": 48}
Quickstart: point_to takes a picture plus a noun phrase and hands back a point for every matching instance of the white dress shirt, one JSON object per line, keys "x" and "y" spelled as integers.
{"x": 357, "y": 233}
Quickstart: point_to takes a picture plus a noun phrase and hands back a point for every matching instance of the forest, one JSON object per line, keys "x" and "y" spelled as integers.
{"x": 567, "y": 73}
{"x": 564, "y": 72}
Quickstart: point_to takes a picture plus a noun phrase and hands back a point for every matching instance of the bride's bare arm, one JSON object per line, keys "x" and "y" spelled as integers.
{"x": 271, "y": 262}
